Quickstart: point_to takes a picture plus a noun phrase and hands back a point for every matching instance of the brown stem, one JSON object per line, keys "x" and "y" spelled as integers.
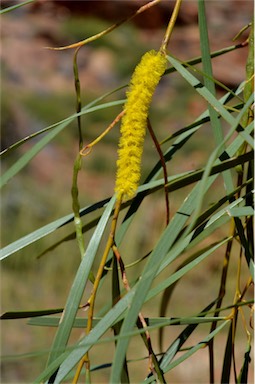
{"x": 163, "y": 163}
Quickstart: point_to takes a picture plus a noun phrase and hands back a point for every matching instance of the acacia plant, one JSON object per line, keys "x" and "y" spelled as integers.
{"x": 189, "y": 236}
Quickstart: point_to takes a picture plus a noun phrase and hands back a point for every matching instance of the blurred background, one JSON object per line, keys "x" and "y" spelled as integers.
{"x": 37, "y": 90}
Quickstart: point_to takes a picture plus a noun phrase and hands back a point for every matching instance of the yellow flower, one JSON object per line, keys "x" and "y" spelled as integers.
{"x": 133, "y": 127}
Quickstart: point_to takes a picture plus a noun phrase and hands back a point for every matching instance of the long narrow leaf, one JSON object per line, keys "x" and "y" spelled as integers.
{"x": 46, "y": 230}
{"x": 177, "y": 275}
{"x": 49, "y": 321}
{"x": 198, "y": 346}
{"x": 176, "y": 345}
{"x": 207, "y": 68}
{"x": 71, "y": 359}
{"x": 13, "y": 7}
{"x": 30, "y": 154}
{"x": 201, "y": 89}
{"x": 79, "y": 284}
{"x": 26, "y": 314}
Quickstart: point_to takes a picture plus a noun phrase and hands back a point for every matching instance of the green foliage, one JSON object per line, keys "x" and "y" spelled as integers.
{"x": 208, "y": 237}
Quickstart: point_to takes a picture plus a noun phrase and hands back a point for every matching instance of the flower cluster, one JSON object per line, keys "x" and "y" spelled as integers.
{"x": 143, "y": 83}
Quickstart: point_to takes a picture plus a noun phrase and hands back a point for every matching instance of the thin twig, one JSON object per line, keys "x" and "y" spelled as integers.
{"x": 108, "y": 30}
{"x": 78, "y": 94}
{"x": 163, "y": 163}
{"x": 77, "y": 163}
{"x": 170, "y": 26}
{"x": 108, "y": 247}
{"x": 87, "y": 149}
{"x": 76, "y": 205}
{"x": 75, "y": 193}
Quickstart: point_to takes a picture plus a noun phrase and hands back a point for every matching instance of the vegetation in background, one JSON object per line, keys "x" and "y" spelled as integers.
{"x": 130, "y": 257}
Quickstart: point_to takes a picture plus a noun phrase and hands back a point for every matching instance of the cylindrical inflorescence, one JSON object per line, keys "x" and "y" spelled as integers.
{"x": 143, "y": 83}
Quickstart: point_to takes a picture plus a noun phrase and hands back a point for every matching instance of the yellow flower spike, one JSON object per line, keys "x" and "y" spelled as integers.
{"x": 143, "y": 83}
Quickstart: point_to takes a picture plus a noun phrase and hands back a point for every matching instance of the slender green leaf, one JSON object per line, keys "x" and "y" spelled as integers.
{"x": 13, "y": 7}
{"x": 46, "y": 230}
{"x": 71, "y": 359}
{"x": 78, "y": 286}
{"x": 175, "y": 347}
{"x": 198, "y": 346}
{"x": 197, "y": 60}
{"x": 26, "y": 314}
{"x": 166, "y": 283}
{"x": 201, "y": 89}
{"x": 49, "y": 321}
{"x": 90, "y": 107}
{"x": 207, "y": 68}
{"x": 242, "y": 211}
{"x": 31, "y": 153}
{"x": 234, "y": 122}
{"x": 170, "y": 283}
{"x": 181, "y": 339}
